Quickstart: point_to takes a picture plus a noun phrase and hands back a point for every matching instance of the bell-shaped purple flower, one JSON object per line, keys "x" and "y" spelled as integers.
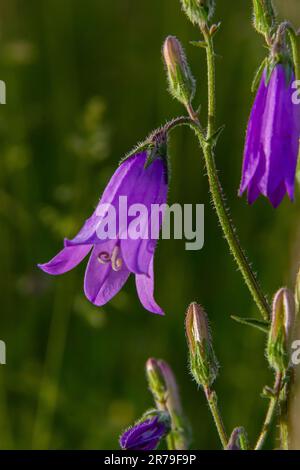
{"x": 147, "y": 434}
{"x": 272, "y": 141}
{"x": 139, "y": 181}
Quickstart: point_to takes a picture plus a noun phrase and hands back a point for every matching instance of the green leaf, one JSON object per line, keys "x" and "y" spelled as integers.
{"x": 201, "y": 44}
{"x": 258, "y": 75}
{"x": 258, "y": 324}
{"x": 213, "y": 140}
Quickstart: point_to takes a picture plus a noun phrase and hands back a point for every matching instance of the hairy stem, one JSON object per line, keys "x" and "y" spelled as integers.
{"x": 212, "y": 400}
{"x": 216, "y": 189}
{"x": 270, "y": 413}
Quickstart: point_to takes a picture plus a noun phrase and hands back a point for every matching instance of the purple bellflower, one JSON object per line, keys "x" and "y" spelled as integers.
{"x": 147, "y": 434}
{"x": 142, "y": 181}
{"x": 272, "y": 141}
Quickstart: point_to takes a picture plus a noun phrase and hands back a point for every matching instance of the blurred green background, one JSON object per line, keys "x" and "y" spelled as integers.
{"x": 85, "y": 81}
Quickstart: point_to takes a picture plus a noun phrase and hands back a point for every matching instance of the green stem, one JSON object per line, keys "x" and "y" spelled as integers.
{"x": 284, "y": 411}
{"x": 212, "y": 400}
{"x": 216, "y": 188}
{"x": 211, "y": 79}
{"x": 230, "y": 233}
{"x": 270, "y": 413}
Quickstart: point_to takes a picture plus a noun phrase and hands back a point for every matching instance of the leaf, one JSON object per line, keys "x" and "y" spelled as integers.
{"x": 201, "y": 44}
{"x": 258, "y": 75}
{"x": 258, "y": 324}
{"x": 213, "y": 140}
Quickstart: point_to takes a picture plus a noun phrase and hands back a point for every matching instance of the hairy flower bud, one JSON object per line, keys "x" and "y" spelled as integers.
{"x": 281, "y": 331}
{"x": 264, "y": 16}
{"x": 238, "y": 440}
{"x": 163, "y": 386}
{"x": 203, "y": 362}
{"x": 198, "y": 11}
{"x": 147, "y": 433}
{"x": 182, "y": 84}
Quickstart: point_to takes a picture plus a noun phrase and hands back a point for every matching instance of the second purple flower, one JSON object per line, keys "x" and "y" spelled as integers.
{"x": 272, "y": 142}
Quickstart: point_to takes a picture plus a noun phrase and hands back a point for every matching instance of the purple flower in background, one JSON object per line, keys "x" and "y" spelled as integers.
{"x": 272, "y": 142}
{"x": 146, "y": 435}
{"x": 141, "y": 181}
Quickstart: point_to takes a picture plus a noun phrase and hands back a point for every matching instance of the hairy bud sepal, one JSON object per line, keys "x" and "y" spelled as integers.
{"x": 182, "y": 84}
{"x": 203, "y": 362}
{"x": 281, "y": 331}
{"x": 264, "y": 17}
{"x": 198, "y": 11}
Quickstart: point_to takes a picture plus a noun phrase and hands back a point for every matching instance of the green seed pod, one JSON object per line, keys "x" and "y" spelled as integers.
{"x": 182, "y": 84}
{"x": 203, "y": 362}
{"x": 281, "y": 331}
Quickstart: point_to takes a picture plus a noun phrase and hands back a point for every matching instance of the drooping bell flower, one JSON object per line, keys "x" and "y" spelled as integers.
{"x": 147, "y": 433}
{"x": 272, "y": 141}
{"x": 142, "y": 180}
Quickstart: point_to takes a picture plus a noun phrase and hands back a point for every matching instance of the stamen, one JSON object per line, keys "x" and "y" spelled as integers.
{"x": 116, "y": 263}
{"x": 104, "y": 257}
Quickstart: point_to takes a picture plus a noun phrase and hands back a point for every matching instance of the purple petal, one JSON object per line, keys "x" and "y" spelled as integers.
{"x": 145, "y": 290}
{"x": 66, "y": 260}
{"x": 122, "y": 183}
{"x": 150, "y": 189}
{"x": 101, "y": 282}
{"x": 253, "y": 137}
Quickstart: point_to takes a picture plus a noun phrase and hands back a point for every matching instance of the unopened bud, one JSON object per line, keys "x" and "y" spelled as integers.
{"x": 281, "y": 331}
{"x": 147, "y": 433}
{"x": 203, "y": 362}
{"x": 163, "y": 386}
{"x": 238, "y": 440}
{"x": 198, "y": 11}
{"x": 264, "y": 16}
{"x": 182, "y": 84}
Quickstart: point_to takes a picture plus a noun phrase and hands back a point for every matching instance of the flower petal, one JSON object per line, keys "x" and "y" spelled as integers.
{"x": 101, "y": 282}
{"x": 145, "y": 290}
{"x": 151, "y": 188}
{"x": 122, "y": 182}
{"x": 253, "y": 137}
{"x": 66, "y": 260}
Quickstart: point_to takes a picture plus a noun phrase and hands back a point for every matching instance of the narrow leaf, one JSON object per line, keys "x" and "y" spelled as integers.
{"x": 258, "y": 324}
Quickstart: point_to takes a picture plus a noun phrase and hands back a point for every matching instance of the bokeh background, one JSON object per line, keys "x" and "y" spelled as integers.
{"x": 85, "y": 82}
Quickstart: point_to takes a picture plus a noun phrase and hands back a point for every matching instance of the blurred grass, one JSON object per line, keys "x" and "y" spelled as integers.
{"x": 85, "y": 82}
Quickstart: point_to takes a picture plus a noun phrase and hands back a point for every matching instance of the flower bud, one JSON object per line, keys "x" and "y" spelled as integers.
{"x": 198, "y": 11}
{"x": 147, "y": 433}
{"x": 182, "y": 84}
{"x": 281, "y": 331}
{"x": 164, "y": 389}
{"x": 238, "y": 440}
{"x": 203, "y": 362}
{"x": 264, "y": 16}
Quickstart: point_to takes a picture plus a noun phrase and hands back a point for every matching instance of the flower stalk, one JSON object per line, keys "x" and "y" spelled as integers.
{"x": 163, "y": 386}
{"x": 216, "y": 190}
